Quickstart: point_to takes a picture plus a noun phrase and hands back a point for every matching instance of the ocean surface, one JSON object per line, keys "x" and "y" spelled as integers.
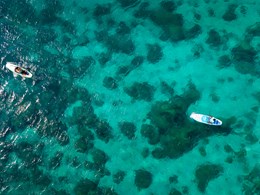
{"x": 114, "y": 83}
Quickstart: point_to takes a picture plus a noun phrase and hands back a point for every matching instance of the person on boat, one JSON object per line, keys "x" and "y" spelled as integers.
{"x": 21, "y": 71}
{"x": 17, "y": 69}
{"x": 212, "y": 120}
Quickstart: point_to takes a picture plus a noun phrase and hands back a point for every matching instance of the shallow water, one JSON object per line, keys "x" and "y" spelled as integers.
{"x": 107, "y": 109}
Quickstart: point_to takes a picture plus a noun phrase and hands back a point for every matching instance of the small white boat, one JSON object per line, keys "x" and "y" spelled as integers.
{"x": 17, "y": 70}
{"x": 206, "y": 119}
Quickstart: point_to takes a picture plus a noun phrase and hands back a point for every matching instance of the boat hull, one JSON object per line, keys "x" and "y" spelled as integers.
{"x": 11, "y": 66}
{"x": 206, "y": 119}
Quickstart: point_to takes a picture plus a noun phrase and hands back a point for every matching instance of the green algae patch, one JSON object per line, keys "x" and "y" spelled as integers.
{"x": 244, "y": 56}
{"x": 177, "y": 133}
{"x": 140, "y": 91}
{"x": 254, "y": 30}
{"x": 171, "y": 24}
{"x": 251, "y": 183}
{"x": 143, "y": 179}
{"x": 85, "y": 186}
{"x": 205, "y": 173}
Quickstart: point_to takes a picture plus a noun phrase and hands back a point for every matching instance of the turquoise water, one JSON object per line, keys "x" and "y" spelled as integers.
{"x": 114, "y": 82}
